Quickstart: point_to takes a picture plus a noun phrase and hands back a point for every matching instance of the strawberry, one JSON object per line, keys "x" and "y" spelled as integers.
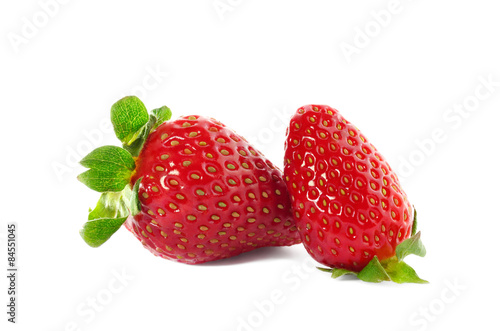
{"x": 191, "y": 190}
{"x": 348, "y": 204}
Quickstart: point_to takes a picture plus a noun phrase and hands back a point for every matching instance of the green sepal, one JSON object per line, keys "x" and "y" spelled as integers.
{"x": 161, "y": 115}
{"x": 135, "y": 205}
{"x": 105, "y": 181}
{"x": 412, "y": 245}
{"x": 374, "y": 272}
{"x": 341, "y": 272}
{"x": 136, "y": 143}
{"x": 391, "y": 269}
{"x": 133, "y": 124}
{"x": 112, "y": 205}
{"x": 108, "y": 158}
{"x": 107, "y": 217}
{"x": 337, "y": 272}
{"x": 324, "y": 269}
{"x": 414, "y": 225}
{"x": 110, "y": 169}
{"x": 400, "y": 272}
{"x": 128, "y": 116}
{"x": 97, "y": 232}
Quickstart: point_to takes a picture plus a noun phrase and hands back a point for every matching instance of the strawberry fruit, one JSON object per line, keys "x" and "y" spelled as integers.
{"x": 191, "y": 190}
{"x": 348, "y": 204}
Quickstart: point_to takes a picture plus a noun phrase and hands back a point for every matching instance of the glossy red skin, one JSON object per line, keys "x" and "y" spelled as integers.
{"x": 343, "y": 192}
{"x": 255, "y": 214}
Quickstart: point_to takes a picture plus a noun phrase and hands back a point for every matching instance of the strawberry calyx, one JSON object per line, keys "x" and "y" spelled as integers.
{"x": 390, "y": 269}
{"x": 110, "y": 169}
{"x": 132, "y": 123}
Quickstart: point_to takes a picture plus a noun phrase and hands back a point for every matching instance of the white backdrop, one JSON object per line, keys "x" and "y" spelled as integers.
{"x": 421, "y": 79}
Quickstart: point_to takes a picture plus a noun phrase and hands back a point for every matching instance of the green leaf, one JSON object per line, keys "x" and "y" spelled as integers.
{"x": 161, "y": 115}
{"x": 105, "y": 181}
{"x": 133, "y": 124}
{"x": 329, "y": 270}
{"x": 374, "y": 272}
{"x": 400, "y": 272}
{"x": 135, "y": 204}
{"x": 412, "y": 245}
{"x": 128, "y": 116}
{"x": 107, "y": 217}
{"x": 136, "y": 144}
{"x": 110, "y": 169}
{"x": 108, "y": 158}
{"x": 137, "y": 141}
{"x": 377, "y": 271}
{"x": 112, "y": 205}
{"x": 337, "y": 272}
{"x": 414, "y": 225}
{"x": 97, "y": 232}
{"x": 390, "y": 269}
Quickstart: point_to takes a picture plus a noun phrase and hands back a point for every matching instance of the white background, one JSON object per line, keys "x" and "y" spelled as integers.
{"x": 250, "y": 67}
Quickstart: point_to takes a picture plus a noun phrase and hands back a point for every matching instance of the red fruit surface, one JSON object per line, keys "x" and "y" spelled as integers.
{"x": 206, "y": 194}
{"x": 347, "y": 202}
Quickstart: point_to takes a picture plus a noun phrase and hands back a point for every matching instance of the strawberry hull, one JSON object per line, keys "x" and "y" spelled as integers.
{"x": 206, "y": 194}
{"x": 347, "y": 202}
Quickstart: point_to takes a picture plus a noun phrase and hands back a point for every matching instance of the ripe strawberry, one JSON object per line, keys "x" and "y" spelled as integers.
{"x": 200, "y": 191}
{"x": 348, "y": 203}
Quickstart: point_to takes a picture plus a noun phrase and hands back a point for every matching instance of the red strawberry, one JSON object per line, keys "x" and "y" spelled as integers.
{"x": 348, "y": 204}
{"x": 201, "y": 192}
{"x": 207, "y": 194}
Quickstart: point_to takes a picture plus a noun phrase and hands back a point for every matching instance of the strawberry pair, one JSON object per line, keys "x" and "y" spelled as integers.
{"x": 194, "y": 191}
